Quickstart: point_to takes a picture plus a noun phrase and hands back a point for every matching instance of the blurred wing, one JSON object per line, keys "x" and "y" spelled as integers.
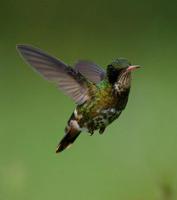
{"x": 90, "y": 70}
{"x": 52, "y": 69}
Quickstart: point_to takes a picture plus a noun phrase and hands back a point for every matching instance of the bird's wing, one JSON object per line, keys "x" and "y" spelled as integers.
{"x": 90, "y": 70}
{"x": 52, "y": 69}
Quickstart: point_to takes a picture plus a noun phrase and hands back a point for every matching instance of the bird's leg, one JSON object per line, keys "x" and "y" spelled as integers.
{"x": 102, "y": 129}
{"x": 91, "y": 129}
{"x": 91, "y": 132}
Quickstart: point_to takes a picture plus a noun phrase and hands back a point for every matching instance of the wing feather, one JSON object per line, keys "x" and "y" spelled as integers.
{"x": 54, "y": 70}
{"x": 90, "y": 70}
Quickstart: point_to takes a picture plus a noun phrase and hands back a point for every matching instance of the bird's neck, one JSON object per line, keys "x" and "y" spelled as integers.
{"x": 121, "y": 94}
{"x": 120, "y": 89}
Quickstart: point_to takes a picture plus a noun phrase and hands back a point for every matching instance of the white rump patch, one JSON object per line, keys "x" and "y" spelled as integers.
{"x": 75, "y": 125}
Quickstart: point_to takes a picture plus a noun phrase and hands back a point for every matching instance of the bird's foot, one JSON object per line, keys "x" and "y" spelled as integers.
{"x": 91, "y": 132}
{"x": 102, "y": 129}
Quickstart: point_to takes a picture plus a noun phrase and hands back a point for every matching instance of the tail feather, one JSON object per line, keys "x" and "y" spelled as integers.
{"x": 67, "y": 140}
{"x": 72, "y": 131}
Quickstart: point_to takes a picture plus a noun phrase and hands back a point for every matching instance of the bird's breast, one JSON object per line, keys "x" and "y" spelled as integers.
{"x": 100, "y": 118}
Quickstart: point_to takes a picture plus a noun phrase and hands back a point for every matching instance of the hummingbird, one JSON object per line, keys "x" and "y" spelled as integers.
{"x": 100, "y": 95}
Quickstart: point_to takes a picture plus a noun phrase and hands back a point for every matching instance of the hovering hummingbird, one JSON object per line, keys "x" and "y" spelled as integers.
{"x": 100, "y": 95}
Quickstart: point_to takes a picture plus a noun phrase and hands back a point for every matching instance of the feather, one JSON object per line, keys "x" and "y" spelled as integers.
{"x": 69, "y": 81}
{"x": 90, "y": 70}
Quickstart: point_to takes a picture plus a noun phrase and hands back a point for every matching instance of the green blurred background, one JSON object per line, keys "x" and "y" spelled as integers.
{"x": 136, "y": 158}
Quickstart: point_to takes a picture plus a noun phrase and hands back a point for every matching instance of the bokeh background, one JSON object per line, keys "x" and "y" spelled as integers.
{"x": 136, "y": 158}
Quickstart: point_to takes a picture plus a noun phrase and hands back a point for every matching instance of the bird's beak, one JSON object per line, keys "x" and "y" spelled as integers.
{"x": 132, "y": 68}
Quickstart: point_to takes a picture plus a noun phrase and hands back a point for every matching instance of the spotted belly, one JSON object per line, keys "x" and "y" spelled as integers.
{"x": 100, "y": 121}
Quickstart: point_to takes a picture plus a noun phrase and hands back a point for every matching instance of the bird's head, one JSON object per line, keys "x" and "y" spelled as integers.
{"x": 119, "y": 73}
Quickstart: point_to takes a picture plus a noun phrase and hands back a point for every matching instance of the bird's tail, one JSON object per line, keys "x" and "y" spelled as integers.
{"x": 66, "y": 141}
{"x": 72, "y": 131}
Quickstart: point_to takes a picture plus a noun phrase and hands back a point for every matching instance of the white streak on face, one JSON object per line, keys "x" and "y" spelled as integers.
{"x": 116, "y": 86}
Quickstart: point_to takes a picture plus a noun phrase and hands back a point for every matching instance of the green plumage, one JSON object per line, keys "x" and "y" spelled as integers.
{"x": 100, "y": 95}
{"x": 102, "y": 108}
